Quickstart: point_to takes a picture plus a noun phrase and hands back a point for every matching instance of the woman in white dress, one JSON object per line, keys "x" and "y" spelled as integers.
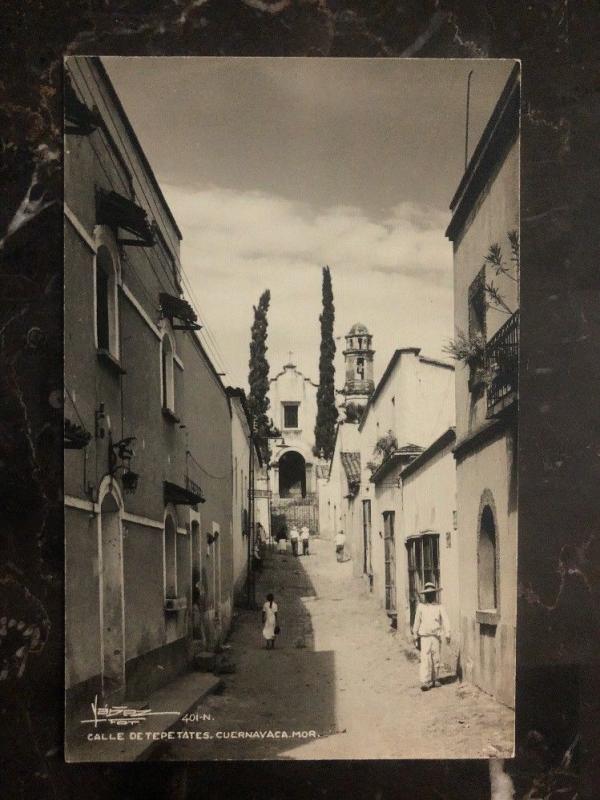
{"x": 269, "y": 618}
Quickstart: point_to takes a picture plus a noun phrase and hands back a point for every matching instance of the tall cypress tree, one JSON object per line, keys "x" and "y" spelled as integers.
{"x": 326, "y": 410}
{"x": 258, "y": 378}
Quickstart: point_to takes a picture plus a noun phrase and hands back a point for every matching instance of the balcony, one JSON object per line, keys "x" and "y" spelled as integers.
{"x": 502, "y": 367}
{"x": 193, "y": 476}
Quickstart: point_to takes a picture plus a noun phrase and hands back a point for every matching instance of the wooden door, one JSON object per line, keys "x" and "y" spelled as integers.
{"x": 390, "y": 561}
{"x": 423, "y": 556}
{"x": 367, "y": 569}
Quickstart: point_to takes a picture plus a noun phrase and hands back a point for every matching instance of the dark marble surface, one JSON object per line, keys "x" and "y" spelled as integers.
{"x": 559, "y": 447}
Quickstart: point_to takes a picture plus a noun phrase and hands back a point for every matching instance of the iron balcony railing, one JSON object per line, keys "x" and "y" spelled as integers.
{"x": 193, "y": 476}
{"x": 502, "y": 363}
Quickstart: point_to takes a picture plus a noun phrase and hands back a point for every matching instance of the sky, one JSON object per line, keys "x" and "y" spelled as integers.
{"x": 275, "y": 167}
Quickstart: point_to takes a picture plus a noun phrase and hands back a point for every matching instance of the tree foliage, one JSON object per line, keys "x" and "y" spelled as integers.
{"x": 326, "y": 409}
{"x": 258, "y": 378}
{"x": 354, "y": 412}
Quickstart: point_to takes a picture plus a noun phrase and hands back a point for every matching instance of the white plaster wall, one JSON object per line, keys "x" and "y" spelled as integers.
{"x": 495, "y": 215}
{"x": 240, "y": 464}
{"x": 489, "y": 662}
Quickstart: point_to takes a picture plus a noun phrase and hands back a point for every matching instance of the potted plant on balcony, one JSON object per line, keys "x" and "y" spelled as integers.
{"x": 384, "y": 448}
{"x": 75, "y": 436}
{"x": 470, "y": 350}
{"x": 386, "y": 445}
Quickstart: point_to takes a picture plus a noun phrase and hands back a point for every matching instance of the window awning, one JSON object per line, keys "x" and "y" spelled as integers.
{"x": 180, "y": 496}
{"x": 177, "y": 307}
{"x": 119, "y": 212}
{"x": 79, "y": 119}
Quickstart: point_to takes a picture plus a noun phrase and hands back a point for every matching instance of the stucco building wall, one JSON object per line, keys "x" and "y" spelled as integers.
{"x": 495, "y": 214}
{"x": 116, "y": 400}
{"x": 241, "y": 468}
{"x": 488, "y": 475}
{"x": 414, "y": 399}
{"x": 485, "y": 210}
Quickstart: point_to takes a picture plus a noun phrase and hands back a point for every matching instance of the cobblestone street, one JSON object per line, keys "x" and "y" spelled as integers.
{"x": 339, "y": 684}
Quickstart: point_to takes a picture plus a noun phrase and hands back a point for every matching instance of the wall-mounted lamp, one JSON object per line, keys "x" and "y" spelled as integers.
{"x": 123, "y": 451}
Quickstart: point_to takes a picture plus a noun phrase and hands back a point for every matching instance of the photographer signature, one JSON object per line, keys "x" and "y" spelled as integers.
{"x": 122, "y": 715}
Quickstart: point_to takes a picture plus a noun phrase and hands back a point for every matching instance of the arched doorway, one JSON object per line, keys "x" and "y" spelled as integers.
{"x": 292, "y": 475}
{"x": 487, "y": 562}
{"x": 111, "y": 588}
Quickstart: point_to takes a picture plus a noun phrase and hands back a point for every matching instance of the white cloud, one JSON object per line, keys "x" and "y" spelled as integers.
{"x": 393, "y": 274}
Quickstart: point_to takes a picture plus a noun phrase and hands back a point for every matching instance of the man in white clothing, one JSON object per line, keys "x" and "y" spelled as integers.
{"x": 294, "y": 537}
{"x": 305, "y": 538}
{"x": 431, "y": 622}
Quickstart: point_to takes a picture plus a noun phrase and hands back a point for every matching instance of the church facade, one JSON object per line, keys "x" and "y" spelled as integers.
{"x": 297, "y": 470}
{"x": 293, "y": 399}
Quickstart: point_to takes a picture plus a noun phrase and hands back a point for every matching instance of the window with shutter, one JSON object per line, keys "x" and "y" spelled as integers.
{"x": 290, "y": 415}
{"x": 477, "y": 306}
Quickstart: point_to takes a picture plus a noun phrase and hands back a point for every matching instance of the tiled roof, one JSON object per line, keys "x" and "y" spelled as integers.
{"x": 410, "y": 448}
{"x": 351, "y": 464}
{"x": 401, "y": 456}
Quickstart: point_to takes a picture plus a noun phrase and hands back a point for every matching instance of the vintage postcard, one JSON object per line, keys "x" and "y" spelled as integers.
{"x": 291, "y": 332}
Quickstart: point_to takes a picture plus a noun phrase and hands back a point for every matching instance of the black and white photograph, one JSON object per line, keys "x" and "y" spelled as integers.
{"x": 291, "y": 349}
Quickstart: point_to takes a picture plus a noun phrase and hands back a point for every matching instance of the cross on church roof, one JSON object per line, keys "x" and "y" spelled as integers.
{"x": 291, "y": 359}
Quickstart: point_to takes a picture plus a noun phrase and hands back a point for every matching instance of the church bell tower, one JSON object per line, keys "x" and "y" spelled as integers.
{"x": 358, "y": 357}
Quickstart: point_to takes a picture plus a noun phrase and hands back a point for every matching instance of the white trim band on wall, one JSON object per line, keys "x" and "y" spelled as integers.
{"x": 145, "y": 316}
{"x": 80, "y": 504}
{"x": 141, "y": 311}
{"x": 126, "y": 516}
{"x": 146, "y": 521}
{"x": 79, "y": 228}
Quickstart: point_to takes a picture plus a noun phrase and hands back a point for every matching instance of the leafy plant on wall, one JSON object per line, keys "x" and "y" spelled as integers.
{"x": 470, "y": 349}
{"x": 385, "y": 447}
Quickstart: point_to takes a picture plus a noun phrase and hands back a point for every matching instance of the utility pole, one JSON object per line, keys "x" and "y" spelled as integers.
{"x": 250, "y": 582}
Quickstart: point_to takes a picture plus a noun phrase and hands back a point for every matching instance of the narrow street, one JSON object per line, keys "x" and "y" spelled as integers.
{"x": 339, "y": 684}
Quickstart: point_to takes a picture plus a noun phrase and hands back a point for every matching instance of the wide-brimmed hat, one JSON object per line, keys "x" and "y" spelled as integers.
{"x": 430, "y": 588}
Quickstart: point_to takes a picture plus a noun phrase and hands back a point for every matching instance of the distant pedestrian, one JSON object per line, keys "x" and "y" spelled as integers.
{"x": 260, "y": 534}
{"x": 305, "y": 537}
{"x": 269, "y": 619}
{"x": 257, "y": 556}
{"x": 431, "y": 622}
{"x": 294, "y": 537}
{"x": 282, "y": 540}
{"x": 340, "y": 541}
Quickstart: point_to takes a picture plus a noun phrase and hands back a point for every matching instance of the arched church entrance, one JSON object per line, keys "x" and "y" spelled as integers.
{"x": 294, "y": 499}
{"x": 292, "y": 475}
